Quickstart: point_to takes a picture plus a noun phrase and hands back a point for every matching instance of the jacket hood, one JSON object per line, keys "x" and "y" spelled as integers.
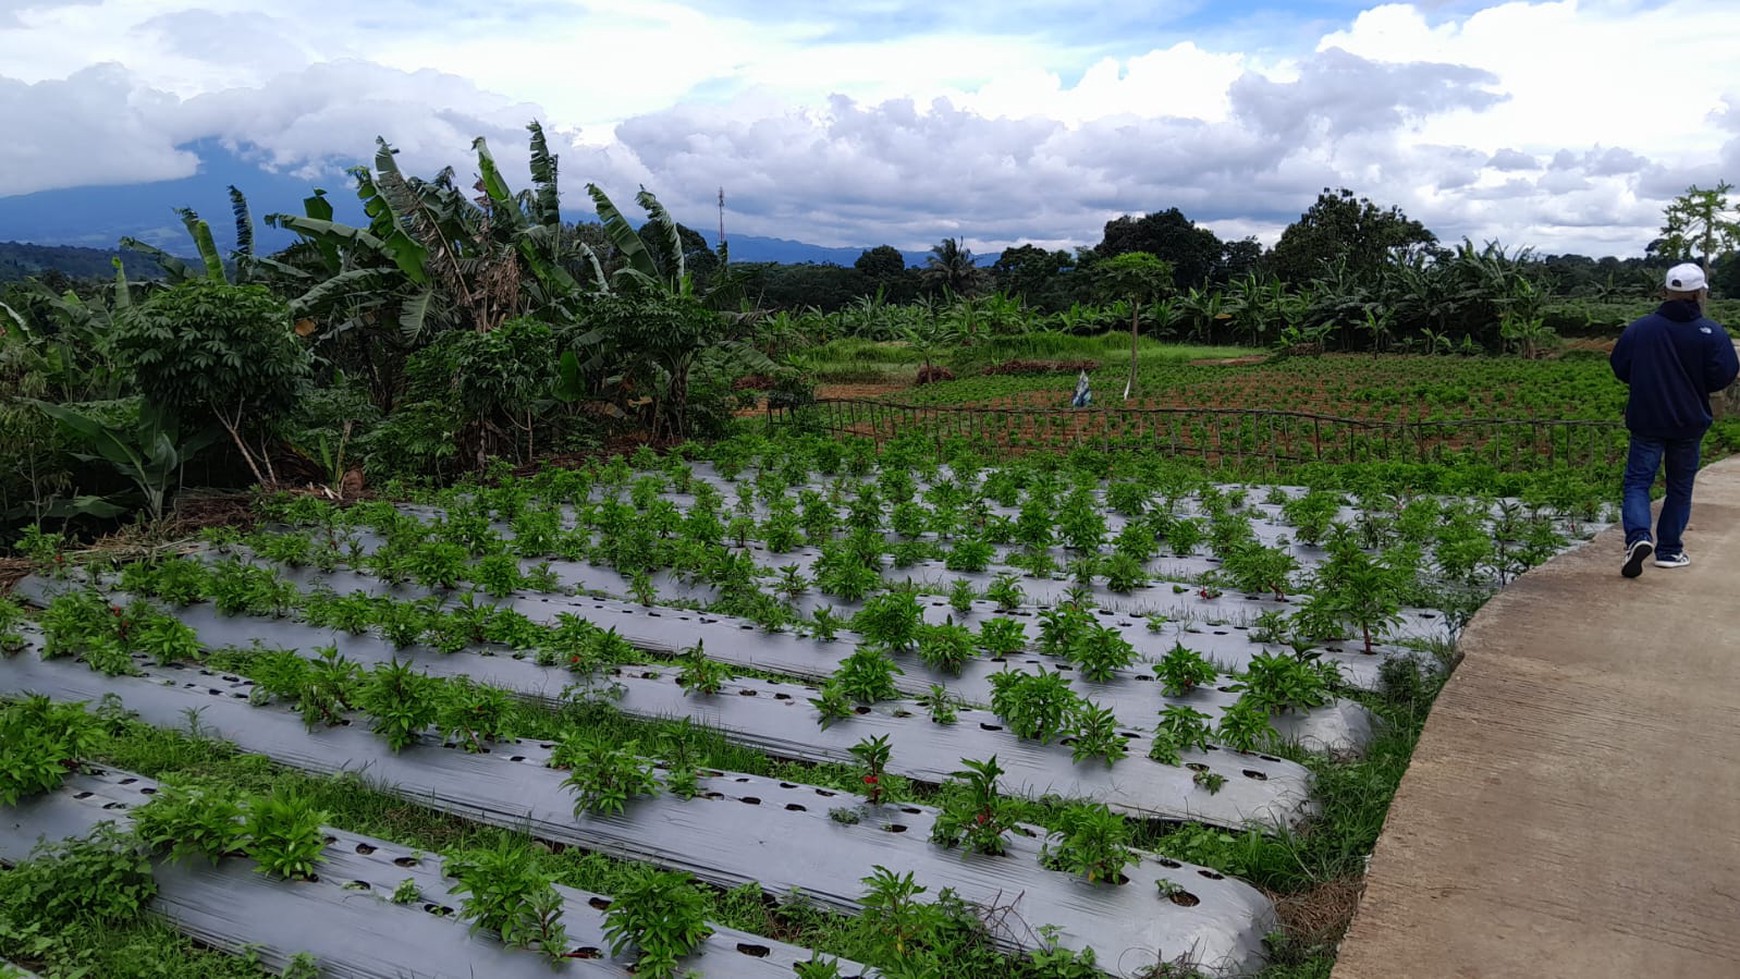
{"x": 1681, "y": 310}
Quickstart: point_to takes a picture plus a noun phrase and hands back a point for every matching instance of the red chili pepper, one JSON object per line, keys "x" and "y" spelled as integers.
{"x": 869, "y": 780}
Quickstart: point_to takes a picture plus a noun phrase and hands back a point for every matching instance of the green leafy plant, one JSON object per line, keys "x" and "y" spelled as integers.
{"x": 1092, "y": 841}
{"x": 603, "y": 775}
{"x": 1002, "y": 637}
{"x": 284, "y": 834}
{"x": 1096, "y": 735}
{"x": 105, "y": 880}
{"x": 701, "y": 675}
{"x": 1186, "y": 727}
{"x": 945, "y": 647}
{"x": 1100, "y": 651}
{"x": 832, "y": 704}
{"x": 407, "y": 892}
{"x": 1244, "y": 726}
{"x": 1213, "y": 782}
{"x": 940, "y": 704}
{"x": 40, "y": 743}
{"x": 472, "y": 713}
{"x": 867, "y": 676}
{"x": 661, "y": 915}
{"x": 892, "y": 620}
{"x": 873, "y": 754}
{"x": 1034, "y": 705}
{"x": 507, "y": 895}
{"x": 168, "y": 640}
{"x": 962, "y": 594}
{"x": 1182, "y": 670}
{"x": 1283, "y": 682}
{"x": 402, "y": 702}
{"x": 974, "y": 814}
{"x": 188, "y": 820}
{"x": 148, "y": 450}
{"x": 1006, "y": 591}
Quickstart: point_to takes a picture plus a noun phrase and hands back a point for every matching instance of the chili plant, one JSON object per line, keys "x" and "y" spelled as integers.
{"x": 940, "y": 703}
{"x": 472, "y": 713}
{"x": 974, "y": 815}
{"x": 873, "y": 753}
{"x": 1002, "y": 637}
{"x": 1006, "y": 591}
{"x": 701, "y": 675}
{"x": 284, "y": 834}
{"x": 603, "y": 775}
{"x": 867, "y": 676}
{"x": 40, "y": 742}
{"x": 1092, "y": 841}
{"x": 1182, "y": 670}
{"x": 1034, "y": 705}
{"x": 945, "y": 647}
{"x": 402, "y": 702}
{"x": 1244, "y": 726}
{"x": 1096, "y": 735}
{"x": 660, "y": 914}
{"x": 191, "y": 820}
{"x": 892, "y": 619}
{"x": 507, "y": 895}
{"x": 1100, "y": 651}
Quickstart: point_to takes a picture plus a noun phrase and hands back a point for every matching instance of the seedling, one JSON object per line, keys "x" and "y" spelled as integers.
{"x": 945, "y": 647}
{"x": 1002, "y": 637}
{"x": 940, "y": 703}
{"x": 1212, "y": 781}
{"x": 1006, "y": 591}
{"x": 701, "y": 675}
{"x": 867, "y": 676}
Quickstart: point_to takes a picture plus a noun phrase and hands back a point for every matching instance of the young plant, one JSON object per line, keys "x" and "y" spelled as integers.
{"x": 962, "y": 594}
{"x": 1124, "y": 573}
{"x": 1283, "y": 682}
{"x": 940, "y": 703}
{"x": 661, "y": 915}
{"x": 1034, "y": 705}
{"x": 401, "y": 702}
{"x": 824, "y": 624}
{"x": 701, "y": 675}
{"x": 1096, "y": 735}
{"x": 831, "y": 705}
{"x": 603, "y": 775}
{"x": 892, "y": 620}
{"x": 191, "y": 820}
{"x": 471, "y": 713}
{"x": 969, "y": 554}
{"x": 1002, "y": 637}
{"x": 873, "y": 754}
{"x": 1184, "y": 726}
{"x": 1182, "y": 670}
{"x": 1244, "y": 726}
{"x": 40, "y": 743}
{"x": 945, "y": 647}
{"x": 1213, "y": 782}
{"x": 1100, "y": 651}
{"x": 507, "y": 895}
{"x": 1006, "y": 591}
{"x": 974, "y": 815}
{"x": 867, "y": 676}
{"x": 284, "y": 834}
{"x": 1092, "y": 841}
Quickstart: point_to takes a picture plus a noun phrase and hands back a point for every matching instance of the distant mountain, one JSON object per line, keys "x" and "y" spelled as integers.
{"x": 97, "y": 217}
{"x": 20, "y": 260}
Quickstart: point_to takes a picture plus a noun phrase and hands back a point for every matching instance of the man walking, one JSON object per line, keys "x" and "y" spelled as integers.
{"x": 1673, "y": 360}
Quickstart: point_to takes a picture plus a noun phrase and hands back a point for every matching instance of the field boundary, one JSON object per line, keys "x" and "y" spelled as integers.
{"x": 1243, "y": 438}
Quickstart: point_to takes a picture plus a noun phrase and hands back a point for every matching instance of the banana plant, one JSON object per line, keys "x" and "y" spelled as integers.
{"x": 149, "y": 453}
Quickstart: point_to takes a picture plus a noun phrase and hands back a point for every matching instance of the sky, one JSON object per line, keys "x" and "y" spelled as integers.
{"x": 1561, "y": 126}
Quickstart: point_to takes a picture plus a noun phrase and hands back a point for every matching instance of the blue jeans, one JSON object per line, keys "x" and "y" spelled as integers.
{"x": 1646, "y": 456}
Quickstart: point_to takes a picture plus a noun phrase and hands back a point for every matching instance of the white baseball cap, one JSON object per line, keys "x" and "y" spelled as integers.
{"x": 1686, "y": 278}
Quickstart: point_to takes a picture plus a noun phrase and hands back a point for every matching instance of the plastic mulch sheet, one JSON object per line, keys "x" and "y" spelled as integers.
{"x": 740, "y": 829}
{"x": 346, "y": 918}
{"x": 1133, "y": 695}
{"x": 1259, "y": 790}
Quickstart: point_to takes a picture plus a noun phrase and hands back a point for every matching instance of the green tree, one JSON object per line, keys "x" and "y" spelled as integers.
{"x": 1194, "y": 253}
{"x": 1137, "y": 278}
{"x": 950, "y": 269}
{"x": 1341, "y": 228}
{"x": 1699, "y": 223}
{"x": 210, "y": 351}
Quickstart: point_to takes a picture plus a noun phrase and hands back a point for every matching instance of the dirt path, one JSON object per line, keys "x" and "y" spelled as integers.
{"x": 1573, "y": 808}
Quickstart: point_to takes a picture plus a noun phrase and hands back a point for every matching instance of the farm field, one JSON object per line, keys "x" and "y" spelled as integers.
{"x": 834, "y": 713}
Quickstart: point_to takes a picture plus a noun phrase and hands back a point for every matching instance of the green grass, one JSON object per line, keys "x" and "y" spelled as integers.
{"x": 854, "y": 361}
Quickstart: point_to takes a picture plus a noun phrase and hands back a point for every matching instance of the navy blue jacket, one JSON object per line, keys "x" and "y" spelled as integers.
{"x": 1673, "y": 359}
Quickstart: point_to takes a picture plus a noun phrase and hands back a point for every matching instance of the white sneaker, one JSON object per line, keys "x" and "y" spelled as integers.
{"x": 1679, "y": 560}
{"x": 1635, "y": 555}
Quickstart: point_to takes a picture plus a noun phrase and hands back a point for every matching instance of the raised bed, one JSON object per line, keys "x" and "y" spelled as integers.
{"x": 345, "y": 917}
{"x": 741, "y": 829}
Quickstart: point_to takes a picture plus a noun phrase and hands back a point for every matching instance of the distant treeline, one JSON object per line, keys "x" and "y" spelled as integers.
{"x": 20, "y": 260}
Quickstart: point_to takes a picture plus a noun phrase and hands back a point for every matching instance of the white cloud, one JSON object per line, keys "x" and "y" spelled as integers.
{"x": 1562, "y": 124}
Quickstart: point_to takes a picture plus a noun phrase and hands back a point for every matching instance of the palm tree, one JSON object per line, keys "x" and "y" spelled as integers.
{"x": 950, "y": 269}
